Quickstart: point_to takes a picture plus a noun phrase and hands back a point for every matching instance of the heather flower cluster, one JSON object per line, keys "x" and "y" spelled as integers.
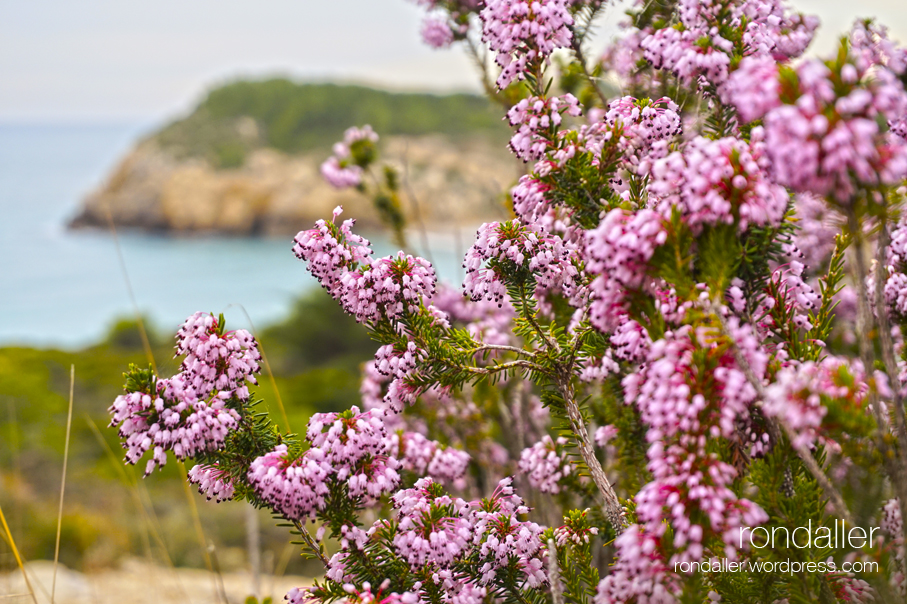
{"x": 523, "y": 33}
{"x": 618, "y": 254}
{"x": 370, "y": 289}
{"x": 348, "y": 449}
{"x": 545, "y": 463}
{"x": 536, "y": 121}
{"x": 721, "y": 181}
{"x": 709, "y": 35}
{"x": 511, "y": 248}
{"x": 344, "y": 168}
{"x": 827, "y": 122}
{"x": 801, "y": 395}
{"x": 190, "y": 413}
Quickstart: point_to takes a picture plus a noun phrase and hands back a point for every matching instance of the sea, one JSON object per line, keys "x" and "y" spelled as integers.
{"x": 65, "y": 289}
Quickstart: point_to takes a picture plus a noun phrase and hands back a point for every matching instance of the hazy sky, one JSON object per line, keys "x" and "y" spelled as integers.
{"x": 92, "y": 60}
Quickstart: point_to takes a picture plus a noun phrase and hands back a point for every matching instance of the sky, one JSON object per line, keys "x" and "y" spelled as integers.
{"x": 128, "y": 60}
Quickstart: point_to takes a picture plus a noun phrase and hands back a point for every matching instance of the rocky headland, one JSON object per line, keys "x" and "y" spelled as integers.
{"x": 238, "y": 166}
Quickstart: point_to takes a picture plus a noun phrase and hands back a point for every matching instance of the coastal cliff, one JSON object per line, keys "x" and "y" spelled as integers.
{"x": 239, "y": 166}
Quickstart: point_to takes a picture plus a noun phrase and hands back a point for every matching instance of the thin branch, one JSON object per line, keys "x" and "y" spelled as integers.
{"x": 888, "y": 358}
{"x": 581, "y": 59}
{"x": 503, "y": 367}
{"x": 310, "y": 542}
{"x": 513, "y": 349}
{"x": 554, "y": 576}
{"x": 482, "y": 65}
{"x": 530, "y": 318}
{"x": 613, "y": 509}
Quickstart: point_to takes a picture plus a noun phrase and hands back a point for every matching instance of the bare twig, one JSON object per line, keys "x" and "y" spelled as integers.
{"x": 613, "y": 510}
{"x": 310, "y": 542}
{"x": 482, "y": 65}
{"x": 513, "y": 349}
{"x": 554, "y": 576}
{"x": 503, "y": 367}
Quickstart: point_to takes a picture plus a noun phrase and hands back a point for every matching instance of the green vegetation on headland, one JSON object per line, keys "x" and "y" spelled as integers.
{"x": 316, "y": 355}
{"x": 296, "y": 117}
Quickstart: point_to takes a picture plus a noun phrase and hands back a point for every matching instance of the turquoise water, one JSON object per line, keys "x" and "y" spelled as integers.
{"x": 64, "y": 289}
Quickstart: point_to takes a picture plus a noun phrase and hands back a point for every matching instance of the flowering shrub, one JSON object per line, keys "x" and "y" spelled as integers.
{"x": 686, "y": 277}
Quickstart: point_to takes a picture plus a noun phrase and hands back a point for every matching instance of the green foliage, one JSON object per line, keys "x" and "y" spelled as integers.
{"x": 295, "y": 117}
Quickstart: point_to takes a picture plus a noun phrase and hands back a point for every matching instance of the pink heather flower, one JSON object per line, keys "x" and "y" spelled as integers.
{"x": 796, "y": 396}
{"x": 436, "y": 32}
{"x": 630, "y": 341}
{"x": 344, "y": 168}
{"x": 432, "y": 529}
{"x": 646, "y": 127}
{"x": 618, "y": 253}
{"x": 213, "y": 482}
{"x": 682, "y": 414}
{"x": 640, "y": 573}
{"x": 369, "y": 289}
{"x": 332, "y": 250}
{"x": 895, "y": 291}
{"x": 828, "y": 141}
{"x": 170, "y": 418}
{"x": 341, "y": 176}
{"x": 428, "y": 458}
{"x": 695, "y": 51}
{"x": 899, "y": 127}
{"x": 536, "y": 121}
{"x": 604, "y": 435}
{"x": 460, "y": 590}
{"x": 214, "y": 361}
{"x": 295, "y": 488}
{"x": 354, "y": 444}
{"x": 504, "y": 541}
{"x": 678, "y": 52}
{"x": 303, "y": 595}
{"x": 721, "y": 181}
{"x": 398, "y": 363}
{"x": 529, "y": 202}
{"x": 870, "y": 45}
{"x": 753, "y": 88}
{"x": 545, "y": 463}
{"x": 510, "y": 247}
{"x": 891, "y": 525}
{"x": 665, "y": 399}
{"x": 572, "y": 532}
{"x": 387, "y": 288}
{"x": 523, "y": 32}
{"x": 787, "y": 290}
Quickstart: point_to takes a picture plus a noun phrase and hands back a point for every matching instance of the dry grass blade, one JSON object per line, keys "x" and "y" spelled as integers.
{"x": 264, "y": 358}
{"x": 72, "y": 383}
{"x": 151, "y": 524}
{"x": 146, "y": 343}
{"x": 199, "y": 529}
{"x": 8, "y": 536}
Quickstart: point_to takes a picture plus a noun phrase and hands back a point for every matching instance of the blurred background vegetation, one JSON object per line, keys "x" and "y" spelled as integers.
{"x": 110, "y": 511}
{"x": 296, "y": 117}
